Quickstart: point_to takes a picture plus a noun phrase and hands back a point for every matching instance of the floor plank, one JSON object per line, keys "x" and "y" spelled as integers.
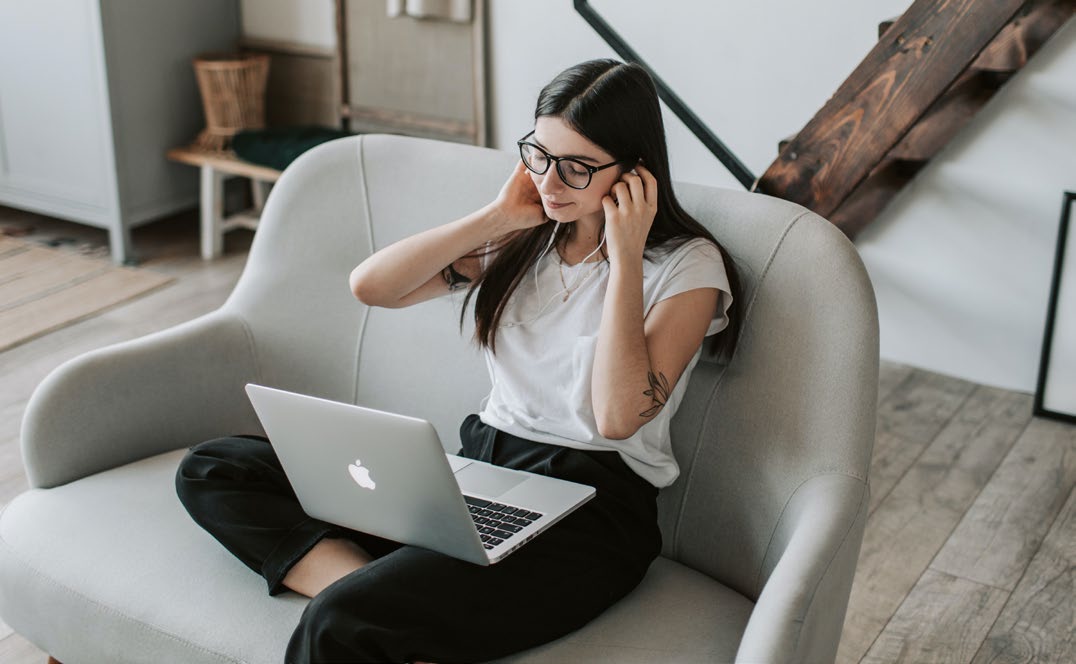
{"x": 14, "y": 649}
{"x": 908, "y": 420}
{"x": 914, "y": 521}
{"x": 890, "y": 376}
{"x": 1038, "y": 624}
{"x": 943, "y": 621}
{"x": 32, "y": 318}
{"x": 1004, "y": 528}
{"x": 37, "y": 271}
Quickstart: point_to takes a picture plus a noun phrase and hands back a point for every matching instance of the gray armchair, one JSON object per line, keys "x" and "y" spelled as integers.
{"x": 99, "y": 562}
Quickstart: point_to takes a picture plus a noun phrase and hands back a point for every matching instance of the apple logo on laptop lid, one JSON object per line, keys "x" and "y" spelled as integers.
{"x": 361, "y": 475}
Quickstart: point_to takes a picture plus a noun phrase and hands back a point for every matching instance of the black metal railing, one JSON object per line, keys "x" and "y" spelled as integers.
{"x": 675, "y": 104}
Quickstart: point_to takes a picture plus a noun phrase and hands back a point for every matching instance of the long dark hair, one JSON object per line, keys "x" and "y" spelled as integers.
{"x": 615, "y": 106}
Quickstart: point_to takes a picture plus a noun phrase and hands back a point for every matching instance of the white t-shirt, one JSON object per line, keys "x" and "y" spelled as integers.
{"x": 541, "y": 375}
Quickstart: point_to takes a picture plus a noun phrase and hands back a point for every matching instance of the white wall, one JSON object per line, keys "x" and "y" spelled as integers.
{"x": 960, "y": 260}
{"x": 751, "y": 71}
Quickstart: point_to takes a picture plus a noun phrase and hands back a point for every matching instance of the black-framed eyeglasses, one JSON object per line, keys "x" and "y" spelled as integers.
{"x": 572, "y": 172}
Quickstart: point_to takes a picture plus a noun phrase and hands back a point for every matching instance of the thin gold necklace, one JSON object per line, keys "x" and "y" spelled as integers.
{"x": 578, "y": 282}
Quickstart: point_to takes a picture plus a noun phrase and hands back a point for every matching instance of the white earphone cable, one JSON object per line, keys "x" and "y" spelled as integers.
{"x": 537, "y": 288}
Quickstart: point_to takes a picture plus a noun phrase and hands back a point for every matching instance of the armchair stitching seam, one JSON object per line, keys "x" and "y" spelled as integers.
{"x": 717, "y": 384}
{"x": 756, "y": 588}
{"x": 253, "y": 346}
{"x": 802, "y": 619}
{"x": 370, "y": 235}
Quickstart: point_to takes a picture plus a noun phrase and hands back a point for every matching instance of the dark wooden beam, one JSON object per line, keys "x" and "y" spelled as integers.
{"x": 914, "y": 63}
{"x": 1033, "y": 26}
{"x": 1010, "y": 50}
{"x": 949, "y": 114}
{"x": 873, "y": 194}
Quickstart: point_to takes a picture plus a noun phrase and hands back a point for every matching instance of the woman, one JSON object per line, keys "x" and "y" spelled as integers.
{"x": 594, "y": 291}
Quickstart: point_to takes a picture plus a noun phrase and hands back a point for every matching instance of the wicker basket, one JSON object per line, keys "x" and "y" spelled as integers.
{"x": 233, "y": 95}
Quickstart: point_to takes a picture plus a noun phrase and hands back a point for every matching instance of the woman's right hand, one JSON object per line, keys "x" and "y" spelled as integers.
{"x": 519, "y": 202}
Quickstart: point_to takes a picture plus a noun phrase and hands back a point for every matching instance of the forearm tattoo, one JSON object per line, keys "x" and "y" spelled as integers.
{"x": 454, "y": 279}
{"x": 659, "y": 391}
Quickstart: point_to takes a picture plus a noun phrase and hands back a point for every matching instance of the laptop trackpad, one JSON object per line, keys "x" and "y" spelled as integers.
{"x": 487, "y": 480}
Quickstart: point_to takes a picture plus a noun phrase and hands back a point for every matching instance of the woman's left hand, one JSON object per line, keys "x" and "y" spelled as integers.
{"x": 629, "y": 217}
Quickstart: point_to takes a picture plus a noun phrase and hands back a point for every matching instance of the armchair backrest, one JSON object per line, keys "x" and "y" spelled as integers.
{"x": 797, "y": 399}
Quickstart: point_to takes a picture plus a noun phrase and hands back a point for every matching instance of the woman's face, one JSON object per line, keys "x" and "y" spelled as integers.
{"x": 561, "y": 202}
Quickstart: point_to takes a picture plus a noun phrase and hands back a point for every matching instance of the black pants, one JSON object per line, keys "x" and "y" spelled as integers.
{"x": 414, "y": 604}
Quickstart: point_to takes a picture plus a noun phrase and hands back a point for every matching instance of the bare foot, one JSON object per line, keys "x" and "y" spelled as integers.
{"x": 330, "y": 560}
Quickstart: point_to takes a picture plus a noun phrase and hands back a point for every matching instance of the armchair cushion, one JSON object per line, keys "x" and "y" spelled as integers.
{"x": 141, "y": 610}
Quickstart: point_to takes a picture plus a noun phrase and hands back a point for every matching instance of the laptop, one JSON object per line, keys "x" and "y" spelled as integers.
{"x": 388, "y": 475}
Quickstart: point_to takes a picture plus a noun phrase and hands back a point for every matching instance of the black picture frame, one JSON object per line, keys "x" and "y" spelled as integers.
{"x": 1068, "y": 308}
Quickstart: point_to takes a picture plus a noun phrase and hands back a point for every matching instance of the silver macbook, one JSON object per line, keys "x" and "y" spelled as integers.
{"x": 388, "y": 475}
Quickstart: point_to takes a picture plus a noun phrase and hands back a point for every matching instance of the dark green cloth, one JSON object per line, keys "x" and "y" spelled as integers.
{"x": 276, "y": 147}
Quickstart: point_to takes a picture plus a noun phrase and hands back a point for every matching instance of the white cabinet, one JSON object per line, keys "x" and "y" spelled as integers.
{"x": 92, "y": 95}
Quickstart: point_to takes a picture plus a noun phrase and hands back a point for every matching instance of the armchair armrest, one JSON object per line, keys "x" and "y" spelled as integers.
{"x": 131, "y": 400}
{"x": 807, "y": 573}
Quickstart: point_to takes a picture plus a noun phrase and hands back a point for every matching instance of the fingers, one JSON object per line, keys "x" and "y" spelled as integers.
{"x": 521, "y": 178}
{"x": 609, "y": 206}
{"x": 521, "y": 171}
{"x": 521, "y": 175}
{"x": 635, "y": 185}
{"x": 641, "y": 185}
{"x": 519, "y": 197}
{"x": 650, "y": 183}
{"x": 514, "y": 176}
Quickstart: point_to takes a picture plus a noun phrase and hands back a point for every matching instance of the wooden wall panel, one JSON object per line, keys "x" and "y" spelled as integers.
{"x": 416, "y": 76}
{"x": 304, "y": 84}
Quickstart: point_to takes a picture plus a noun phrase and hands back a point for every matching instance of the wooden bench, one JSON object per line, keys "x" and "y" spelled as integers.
{"x": 216, "y": 167}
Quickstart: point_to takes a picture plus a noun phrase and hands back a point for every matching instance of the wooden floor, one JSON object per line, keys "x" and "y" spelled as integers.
{"x": 969, "y": 549}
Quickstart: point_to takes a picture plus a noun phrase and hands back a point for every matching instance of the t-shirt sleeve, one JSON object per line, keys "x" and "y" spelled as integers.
{"x": 697, "y": 264}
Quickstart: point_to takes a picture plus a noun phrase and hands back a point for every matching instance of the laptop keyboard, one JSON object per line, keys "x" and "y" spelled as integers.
{"x": 497, "y": 522}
